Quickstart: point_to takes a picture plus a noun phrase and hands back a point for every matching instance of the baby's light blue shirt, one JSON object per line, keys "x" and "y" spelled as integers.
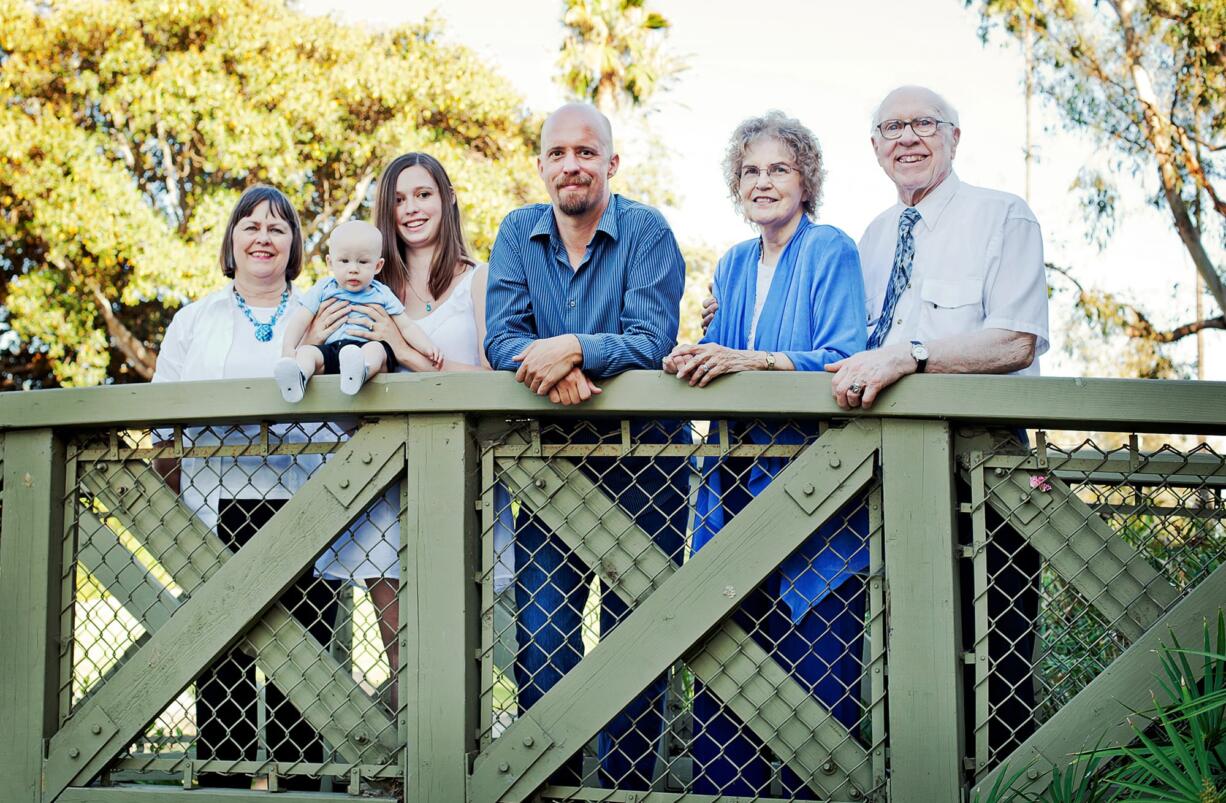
{"x": 328, "y": 287}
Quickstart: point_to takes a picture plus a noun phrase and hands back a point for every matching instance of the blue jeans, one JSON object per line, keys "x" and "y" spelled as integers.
{"x": 551, "y": 590}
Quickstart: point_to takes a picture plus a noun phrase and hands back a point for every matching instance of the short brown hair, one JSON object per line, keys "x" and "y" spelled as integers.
{"x": 281, "y": 207}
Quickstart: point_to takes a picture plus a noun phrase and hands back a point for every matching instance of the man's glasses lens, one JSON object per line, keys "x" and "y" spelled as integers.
{"x": 922, "y": 126}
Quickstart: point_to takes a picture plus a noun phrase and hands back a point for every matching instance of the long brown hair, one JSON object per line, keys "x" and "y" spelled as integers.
{"x": 450, "y": 249}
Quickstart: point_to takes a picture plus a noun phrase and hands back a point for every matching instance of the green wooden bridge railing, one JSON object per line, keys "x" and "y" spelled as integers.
{"x": 221, "y": 643}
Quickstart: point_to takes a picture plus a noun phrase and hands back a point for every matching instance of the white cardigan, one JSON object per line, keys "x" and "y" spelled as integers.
{"x": 195, "y": 348}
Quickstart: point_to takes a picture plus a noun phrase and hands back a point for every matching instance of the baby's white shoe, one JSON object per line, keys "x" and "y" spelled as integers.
{"x": 353, "y": 369}
{"x": 290, "y": 380}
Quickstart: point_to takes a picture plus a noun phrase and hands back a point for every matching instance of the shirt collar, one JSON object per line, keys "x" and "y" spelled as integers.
{"x": 547, "y": 224}
{"x": 935, "y": 203}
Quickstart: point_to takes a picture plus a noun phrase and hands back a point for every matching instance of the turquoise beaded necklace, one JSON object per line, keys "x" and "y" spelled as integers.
{"x": 263, "y": 331}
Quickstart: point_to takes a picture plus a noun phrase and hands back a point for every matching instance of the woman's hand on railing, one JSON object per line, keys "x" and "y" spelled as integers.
{"x": 699, "y": 364}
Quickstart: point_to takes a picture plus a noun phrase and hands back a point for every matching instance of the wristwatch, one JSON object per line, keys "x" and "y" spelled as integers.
{"x": 920, "y": 353}
{"x": 770, "y": 361}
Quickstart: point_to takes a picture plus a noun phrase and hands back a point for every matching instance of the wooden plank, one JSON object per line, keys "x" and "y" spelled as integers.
{"x": 560, "y": 793}
{"x": 800, "y": 731}
{"x": 674, "y": 608}
{"x": 877, "y": 636}
{"x": 126, "y": 579}
{"x": 123, "y": 576}
{"x": 1118, "y": 467}
{"x": 30, "y": 554}
{"x": 1099, "y": 715}
{"x": 67, "y": 594}
{"x": 925, "y": 646}
{"x": 218, "y": 613}
{"x": 441, "y": 662}
{"x": 487, "y": 567}
{"x": 1084, "y": 550}
{"x": 143, "y": 793}
{"x": 319, "y": 685}
{"x": 983, "y": 625}
{"x": 1113, "y": 405}
{"x": 149, "y": 767}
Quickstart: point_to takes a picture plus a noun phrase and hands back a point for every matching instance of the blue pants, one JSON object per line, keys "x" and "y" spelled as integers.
{"x": 551, "y": 590}
{"x": 822, "y": 652}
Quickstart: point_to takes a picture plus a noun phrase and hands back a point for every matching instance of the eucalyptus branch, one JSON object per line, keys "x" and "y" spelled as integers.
{"x": 138, "y": 355}
{"x": 325, "y": 223}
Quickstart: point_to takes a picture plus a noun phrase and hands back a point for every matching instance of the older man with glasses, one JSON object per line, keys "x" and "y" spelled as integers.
{"x": 954, "y": 282}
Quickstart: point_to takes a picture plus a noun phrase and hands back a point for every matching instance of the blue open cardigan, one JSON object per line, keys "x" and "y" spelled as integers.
{"x": 814, "y": 313}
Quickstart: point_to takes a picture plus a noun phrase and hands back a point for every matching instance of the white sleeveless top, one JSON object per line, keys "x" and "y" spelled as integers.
{"x": 453, "y": 326}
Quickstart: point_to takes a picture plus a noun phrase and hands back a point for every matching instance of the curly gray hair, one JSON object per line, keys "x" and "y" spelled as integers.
{"x": 806, "y": 151}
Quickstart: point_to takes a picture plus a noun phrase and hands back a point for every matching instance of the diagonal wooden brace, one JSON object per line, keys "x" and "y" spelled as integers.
{"x": 219, "y": 611}
{"x": 322, "y": 689}
{"x": 675, "y": 607}
{"x": 1113, "y": 698}
{"x": 1084, "y": 550}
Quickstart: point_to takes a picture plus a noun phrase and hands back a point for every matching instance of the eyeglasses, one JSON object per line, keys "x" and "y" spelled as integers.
{"x": 776, "y": 172}
{"x": 922, "y": 126}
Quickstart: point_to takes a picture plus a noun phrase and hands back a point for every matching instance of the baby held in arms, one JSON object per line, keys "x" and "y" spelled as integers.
{"x": 354, "y": 258}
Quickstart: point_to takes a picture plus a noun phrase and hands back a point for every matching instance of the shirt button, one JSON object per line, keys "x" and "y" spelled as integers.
{"x": 897, "y": 322}
{"x": 908, "y": 285}
{"x": 572, "y": 303}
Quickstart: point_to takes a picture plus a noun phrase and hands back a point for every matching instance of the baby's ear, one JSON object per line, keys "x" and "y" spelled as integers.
{"x": 379, "y": 265}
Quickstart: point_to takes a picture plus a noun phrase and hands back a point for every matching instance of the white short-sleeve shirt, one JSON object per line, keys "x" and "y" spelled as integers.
{"x": 978, "y": 265}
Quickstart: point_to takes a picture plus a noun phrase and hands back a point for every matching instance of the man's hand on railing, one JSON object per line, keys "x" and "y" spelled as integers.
{"x": 573, "y": 388}
{"x": 859, "y": 378}
{"x": 547, "y": 361}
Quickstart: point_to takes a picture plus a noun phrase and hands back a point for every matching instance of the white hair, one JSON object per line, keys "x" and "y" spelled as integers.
{"x": 944, "y": 108}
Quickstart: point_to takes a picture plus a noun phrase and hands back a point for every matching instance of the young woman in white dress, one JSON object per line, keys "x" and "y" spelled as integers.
{"x": 427, "y": 265}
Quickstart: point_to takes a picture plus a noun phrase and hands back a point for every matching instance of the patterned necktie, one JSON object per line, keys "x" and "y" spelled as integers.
{"x": 900, "y": 275}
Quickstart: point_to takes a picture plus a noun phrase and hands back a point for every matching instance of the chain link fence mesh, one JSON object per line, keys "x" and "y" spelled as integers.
{"x": 306, "y": 696}
{"x": 775, "y": 704}
{"x": 1073, "y": 550}
{"x": 1069, "y": 553}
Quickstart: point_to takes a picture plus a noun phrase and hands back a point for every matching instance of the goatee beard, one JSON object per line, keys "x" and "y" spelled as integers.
{"x": 575, "y": 206}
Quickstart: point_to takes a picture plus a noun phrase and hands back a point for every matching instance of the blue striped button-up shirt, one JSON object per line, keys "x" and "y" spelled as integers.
{"x": 622, "y": 302}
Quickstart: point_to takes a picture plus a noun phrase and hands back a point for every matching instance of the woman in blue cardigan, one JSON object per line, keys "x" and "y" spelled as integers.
{"x": 791, "y": 299}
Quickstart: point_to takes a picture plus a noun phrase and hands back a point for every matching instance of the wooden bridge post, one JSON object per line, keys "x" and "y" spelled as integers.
{"x": 924, "y": 646}
{"x": 31, "y": 536}
{"x": 440, "y": 606}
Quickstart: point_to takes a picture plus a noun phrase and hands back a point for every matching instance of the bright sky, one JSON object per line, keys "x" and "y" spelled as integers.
{"x": 829, "y": 63}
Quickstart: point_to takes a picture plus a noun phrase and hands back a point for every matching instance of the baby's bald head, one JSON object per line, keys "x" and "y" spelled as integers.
{"x": 357, "y": 236}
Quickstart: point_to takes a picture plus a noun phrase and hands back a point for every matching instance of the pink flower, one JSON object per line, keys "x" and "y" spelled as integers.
{"x": 1040, "y": 481}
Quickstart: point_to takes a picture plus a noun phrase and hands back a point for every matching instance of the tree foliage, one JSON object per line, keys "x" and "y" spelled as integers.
{"x": 613, "y": 53}
{"x": 1147, "y": 79}
{"x": 128, "y": 130}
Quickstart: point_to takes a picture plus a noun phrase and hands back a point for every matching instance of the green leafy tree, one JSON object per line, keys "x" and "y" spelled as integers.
{"x": 128, "y": 130}
{"x": 1147, "y": 80}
